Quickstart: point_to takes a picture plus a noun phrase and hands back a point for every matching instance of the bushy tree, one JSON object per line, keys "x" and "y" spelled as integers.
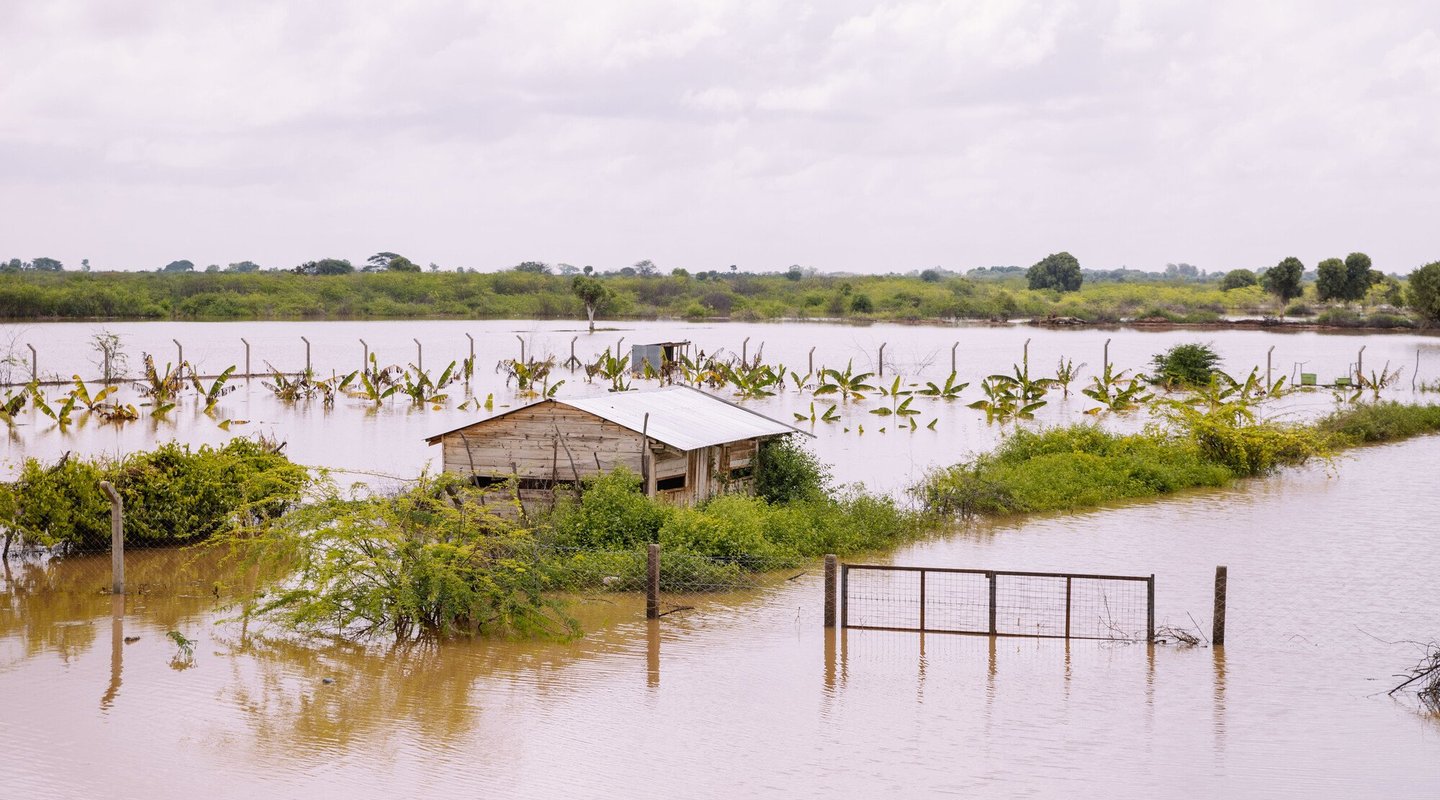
{"x": 243, "y": 266}
{"x": 325, "y": 266}
{"x": 1330, "y": 279}
{"x": 1238, "y": 279}
{"x": 1423, "y": 294}
{"x": 393, "y": 262}
{"x": 533, "y": 267}
{"x": 183, "y": 265}
{"x": 1359, "y": 275}
{"x": 1059, "y": 271}
{"x": 593, "y": 293}
{"x": 43, "y": 264}
{"x": 1283, "y": 279}
{"x": 645, "y": 268}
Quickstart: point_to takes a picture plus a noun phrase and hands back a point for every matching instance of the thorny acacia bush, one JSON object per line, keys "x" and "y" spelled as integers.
{"x": 432, "y": 561}
{"x": 172, "y": 495}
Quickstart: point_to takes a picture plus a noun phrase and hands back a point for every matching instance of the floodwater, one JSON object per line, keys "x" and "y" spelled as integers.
{"x": 746, "y": 694}
{"x": 372, "y": 443}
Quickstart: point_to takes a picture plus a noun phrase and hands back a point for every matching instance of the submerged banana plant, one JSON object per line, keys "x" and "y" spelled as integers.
{"x": 950, "y": 391}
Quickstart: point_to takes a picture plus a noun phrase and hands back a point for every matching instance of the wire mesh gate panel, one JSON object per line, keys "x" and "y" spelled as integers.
{"x": 997, "y": 602}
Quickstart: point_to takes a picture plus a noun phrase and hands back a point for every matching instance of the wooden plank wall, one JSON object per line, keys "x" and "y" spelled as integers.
{"x": 532, "y": 443}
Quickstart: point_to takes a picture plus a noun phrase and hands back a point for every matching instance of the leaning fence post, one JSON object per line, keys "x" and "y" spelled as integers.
{"x": 953, "y": 347}
{"x": 1150, "y": 608}
{"x": 1217, "y": 624}
{"x": 882, "y": 358}
{"x": 117, "y": 538}
{"x": 831, "y": 568}
{"x": 419, "y": 356}
{"x": 522, "y": 347}
{"x": 34, "y": 364}
{"x": 652, "y": 582}
{"x": 179, "y": 355}
{"x": 812, "y": 361}
{"x": 991, "y": 576}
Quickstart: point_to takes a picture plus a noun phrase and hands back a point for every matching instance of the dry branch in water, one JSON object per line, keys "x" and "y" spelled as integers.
{"x": 1427, "y": 675}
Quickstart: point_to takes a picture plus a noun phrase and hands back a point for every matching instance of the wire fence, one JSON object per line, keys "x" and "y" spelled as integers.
{"x": 1000, "y": 603}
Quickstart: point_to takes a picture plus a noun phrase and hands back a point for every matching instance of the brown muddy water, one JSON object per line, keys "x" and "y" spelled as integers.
{"x": 746, "y": 695}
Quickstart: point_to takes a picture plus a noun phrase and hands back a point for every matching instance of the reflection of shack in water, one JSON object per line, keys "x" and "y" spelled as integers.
{"x": 686, "y": 445}
{"x": 658, "y": 359}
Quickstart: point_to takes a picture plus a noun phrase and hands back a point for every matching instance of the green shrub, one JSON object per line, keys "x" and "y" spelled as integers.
{"x": 172, "y": 495}
{"x": 1185, "y": 365}
{"x": 612, "y": 514}
{"x": 787, "y": 471}
{"x": 1367, "y": 423}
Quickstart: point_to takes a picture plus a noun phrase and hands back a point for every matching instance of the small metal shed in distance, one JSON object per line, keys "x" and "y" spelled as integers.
{"x": 660, "y": 356}
{"x": 686, "y": 445}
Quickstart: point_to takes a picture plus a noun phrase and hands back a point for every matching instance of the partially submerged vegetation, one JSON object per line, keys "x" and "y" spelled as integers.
{"x": 172, "y": 495}
{"x": 1082, "y": 466}
{"x": 444, "y": 557}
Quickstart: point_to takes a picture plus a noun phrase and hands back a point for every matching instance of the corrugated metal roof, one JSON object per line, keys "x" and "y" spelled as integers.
{"x": 680, "y": 416}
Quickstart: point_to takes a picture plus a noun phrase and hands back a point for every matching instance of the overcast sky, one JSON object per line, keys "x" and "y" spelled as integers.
{"x": 840, "y": 135}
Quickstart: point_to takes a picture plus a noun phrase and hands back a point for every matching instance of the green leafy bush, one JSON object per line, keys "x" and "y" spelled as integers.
{"x": 1185, "y": 365}
{"x": 172, "y": 495}
{"x": 786, "y": 471}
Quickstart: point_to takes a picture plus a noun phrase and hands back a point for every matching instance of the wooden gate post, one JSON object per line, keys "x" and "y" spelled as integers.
{"x": 1150, "y": 609}
{"x": 117, "y": 538}
{"x": 832, "y": 569}
{"x": 652, "y": 582}
{"x": 1217, "y": 624}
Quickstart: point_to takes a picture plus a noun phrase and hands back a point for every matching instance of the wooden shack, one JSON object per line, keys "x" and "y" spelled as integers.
{"x": 686, "y": 445}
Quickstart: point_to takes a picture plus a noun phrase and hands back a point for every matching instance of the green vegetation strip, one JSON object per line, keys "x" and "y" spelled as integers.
{"x": 1082, "y": 466}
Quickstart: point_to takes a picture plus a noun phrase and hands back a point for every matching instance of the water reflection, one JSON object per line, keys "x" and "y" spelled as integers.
{"x": 117, "y": 651}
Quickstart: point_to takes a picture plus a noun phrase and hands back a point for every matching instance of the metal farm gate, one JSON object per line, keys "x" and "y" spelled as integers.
{"x": 997, "y": 602}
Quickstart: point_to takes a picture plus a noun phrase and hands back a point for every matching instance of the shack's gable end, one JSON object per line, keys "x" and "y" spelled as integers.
{"x": 547, "y": 440}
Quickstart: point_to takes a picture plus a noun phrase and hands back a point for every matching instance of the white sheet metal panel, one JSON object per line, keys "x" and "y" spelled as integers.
{"x": 682, "y": 417}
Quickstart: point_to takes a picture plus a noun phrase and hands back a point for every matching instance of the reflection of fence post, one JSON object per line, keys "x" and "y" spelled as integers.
{"x": 117, "y": 538}
{"x": 1217, "y": 624}
{"x": 1150, "y": 609}
{"x": 652, "y": 582}
{"x": 831, "y": 568}
{"x": 991, "y": 576}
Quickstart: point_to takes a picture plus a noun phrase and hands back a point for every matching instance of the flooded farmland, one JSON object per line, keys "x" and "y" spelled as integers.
{"x": 1331, "y": 569}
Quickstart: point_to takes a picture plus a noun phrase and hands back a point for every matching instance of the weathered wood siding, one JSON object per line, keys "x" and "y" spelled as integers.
{"x": 533, "y": 442}
{"x": 555, "y": 443}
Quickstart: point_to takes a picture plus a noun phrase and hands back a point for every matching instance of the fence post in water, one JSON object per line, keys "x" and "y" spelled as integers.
{"x": 882, "y": 358}
{"x": 117, "y": 538}
{"x": 419, "y": 356}
{"x": 1025, "y": 356}
{"x": 812, "y": 361}
{"x": 922, "y": 601}
{"x": 247, "y": 355}
{"x": 34, "y": 364}
{"x": 1268, "y": 353}
{"x": 1217, "y": 624}
{"x": 573, "y": 362}
{"x": 522, "y": 347}
{"x": 991, "y": 576}
{"x": 1416, "y": 374}
{"x": 1106, "y": 365}
{"x": 744, "y": 349}
{"x": 308, "y": 370}
{"x": 652, "y": 582}
{"x": 472, "y": 357}
{"x": 832, "y": 567}
{"x": 1360, "y": 365}
{"x": 844, "y": 595}
{"x": 1068, "y": 594}
{"x": 364, "y": 356}
{"x": 953, "y": 347}
{"x": 1150, "y": 609}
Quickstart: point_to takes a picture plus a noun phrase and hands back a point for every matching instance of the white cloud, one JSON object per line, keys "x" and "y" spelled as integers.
{"x": 844, "y": 134}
